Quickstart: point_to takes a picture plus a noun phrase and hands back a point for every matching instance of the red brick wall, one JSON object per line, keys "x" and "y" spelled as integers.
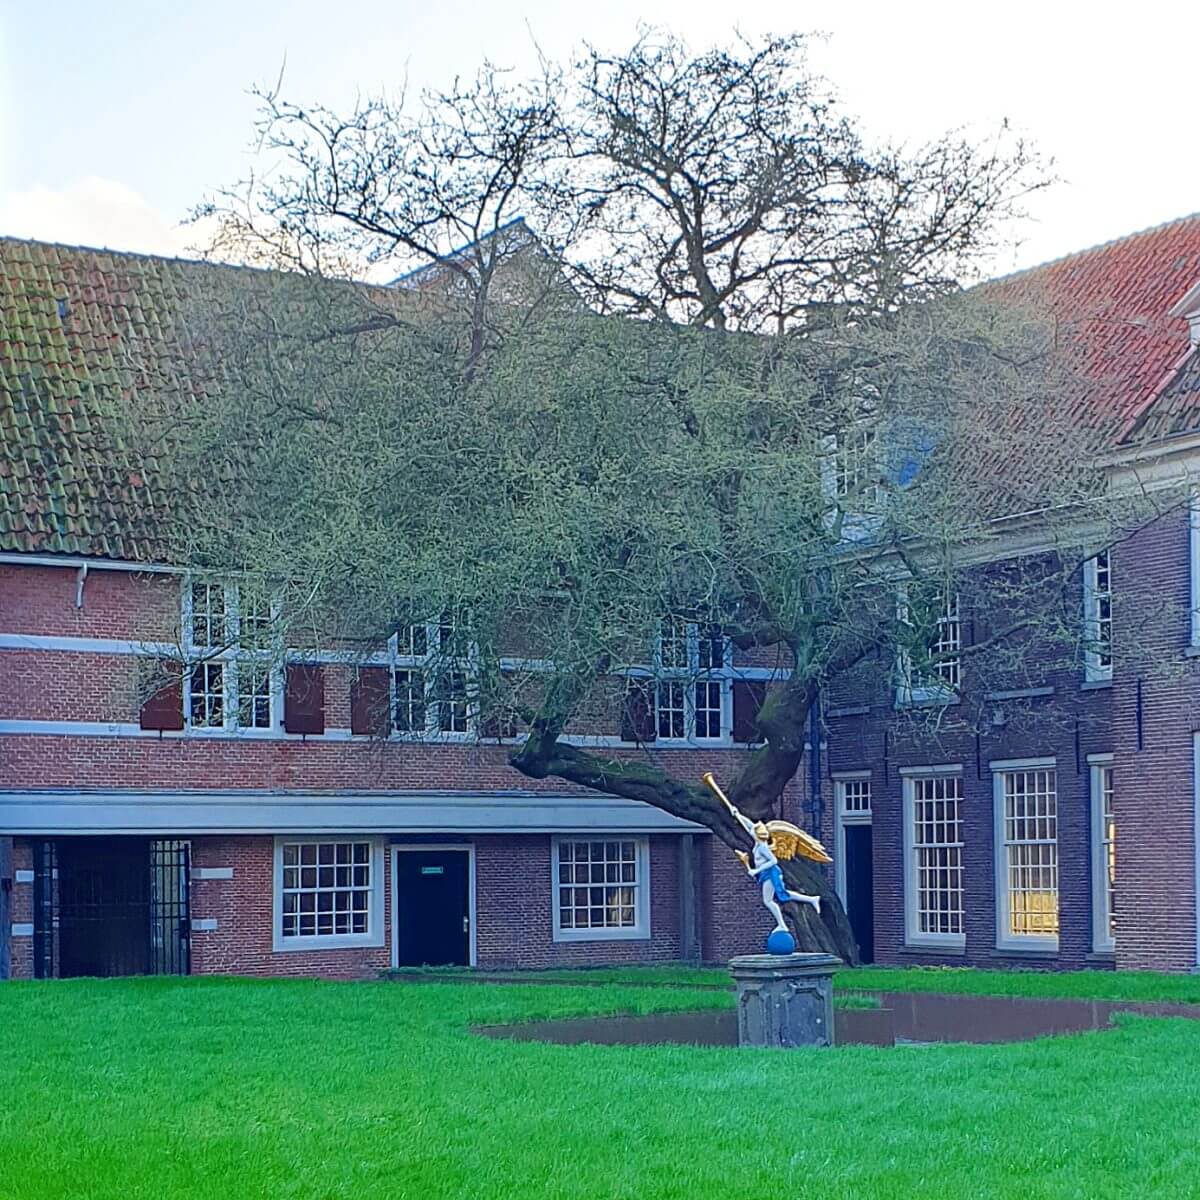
{"x": 1153, "y": 779}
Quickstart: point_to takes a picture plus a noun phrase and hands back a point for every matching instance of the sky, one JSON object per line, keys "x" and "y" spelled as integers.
{"x": 117, "y": 118}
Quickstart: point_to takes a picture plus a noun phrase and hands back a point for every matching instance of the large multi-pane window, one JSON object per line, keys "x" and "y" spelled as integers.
{"x": 600, "y": 888}
{"x": 1104, "y": 859}
{"x": 1027, "y": 876}
{"x": 692, "y": 689}
{"x": 934, "y": 874}
{"x": 431, "y": 681}
{"x": 1097, "y": 616}
{"x": 233, "y": 682}
{"x": 327, "y": 892}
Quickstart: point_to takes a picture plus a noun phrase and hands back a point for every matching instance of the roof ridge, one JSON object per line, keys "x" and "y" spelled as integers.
{"x": 1105, "y": 245}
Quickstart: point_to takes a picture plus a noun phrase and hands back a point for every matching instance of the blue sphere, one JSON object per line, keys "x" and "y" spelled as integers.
{"x": 781, "y": 942}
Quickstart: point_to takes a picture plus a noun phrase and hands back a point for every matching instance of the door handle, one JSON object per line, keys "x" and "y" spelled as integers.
{"x": 466, "y": 924}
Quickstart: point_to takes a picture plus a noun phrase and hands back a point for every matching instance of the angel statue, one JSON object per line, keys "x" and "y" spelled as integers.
{"x": 773, "y": 840}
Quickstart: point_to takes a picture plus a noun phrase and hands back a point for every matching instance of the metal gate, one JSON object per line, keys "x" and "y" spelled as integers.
{"x": 111, "y": 906}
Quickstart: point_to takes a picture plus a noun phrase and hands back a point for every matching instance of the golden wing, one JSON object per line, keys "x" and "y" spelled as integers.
{"x": 788, "y": 841}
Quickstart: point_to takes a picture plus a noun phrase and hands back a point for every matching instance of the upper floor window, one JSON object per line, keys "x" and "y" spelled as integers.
{"x": 941, "y": 678}
{"x": 233, "y": 681}
{"x": 1097, "y": 616}
{"x": 691, "y": 696}
{"x": 855, "y": 464}
{"x": 433, "y": 687}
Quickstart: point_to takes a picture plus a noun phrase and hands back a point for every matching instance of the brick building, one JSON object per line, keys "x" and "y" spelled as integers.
{"x": 994, "y": 844}
{"x": 248, "y": 817}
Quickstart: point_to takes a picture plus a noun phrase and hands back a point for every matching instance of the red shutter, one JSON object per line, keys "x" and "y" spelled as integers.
{"x": 637, "y": 713}
{"x": 163, "y": 706}
{"x": 371, "y": 701}
{"x": 748, "y": 697}
{"x": 304, "y": 699}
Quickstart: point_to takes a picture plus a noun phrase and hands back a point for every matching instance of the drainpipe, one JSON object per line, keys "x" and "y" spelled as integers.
{"x": 816, "y": 803}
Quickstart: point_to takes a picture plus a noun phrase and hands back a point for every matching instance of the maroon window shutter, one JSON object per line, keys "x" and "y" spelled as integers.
{"x": 304, "y": 699}
{"x": 637, "y": 713}
{"x": 748, "y": 697}
{"x": 162, "y": 707}
{"x": 371, "y": 702}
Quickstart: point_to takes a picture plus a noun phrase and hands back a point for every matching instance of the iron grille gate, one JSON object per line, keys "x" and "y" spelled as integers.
{"x": 111, "y": 906}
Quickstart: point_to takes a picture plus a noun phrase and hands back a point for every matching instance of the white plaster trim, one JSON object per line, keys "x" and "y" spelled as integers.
{"x": 121, "y": 729}
{"x": 73, "y": 811}
{"x": 1102, "y": 759}
{"x": 638, "y": 932}
{"x": 205, "y": 925}
{"x": 22, "y": 929}
{"x": 344, "y": 941}
{"x": 212, "y": 872}
{"x": 82, "y": 645}
{"x": 936, "y": 769}
{"x": 472, "y": 909}
{"x": 1022, "y": 764}
{"x": 74, "y": 562}
{"x": 24, "y": 876}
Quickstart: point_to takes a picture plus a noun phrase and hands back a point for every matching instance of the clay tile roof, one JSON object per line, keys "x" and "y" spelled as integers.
{"x": 80, "y": 328}
{"x": 1111, "y": 305}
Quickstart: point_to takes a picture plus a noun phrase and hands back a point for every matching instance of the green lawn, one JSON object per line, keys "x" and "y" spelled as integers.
{"x": 232, "y": 1088}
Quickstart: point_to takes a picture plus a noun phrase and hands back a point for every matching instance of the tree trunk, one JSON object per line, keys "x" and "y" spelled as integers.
{"x": 756, "y": 793}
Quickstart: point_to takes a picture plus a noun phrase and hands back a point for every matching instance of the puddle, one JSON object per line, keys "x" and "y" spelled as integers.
{"x": 905, "y": 1018}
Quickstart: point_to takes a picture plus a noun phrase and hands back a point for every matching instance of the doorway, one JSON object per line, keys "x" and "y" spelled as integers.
{"x": 111, "y": 906}
{"x": 855, "y": 858}
{"x": 433, "y": 913}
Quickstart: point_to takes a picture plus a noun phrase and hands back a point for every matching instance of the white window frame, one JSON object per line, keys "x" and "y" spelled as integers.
{"x": 688, "y": 676}
{"x": 374, "y": 936}
{"x": 429, "y": 664}
{"x": 856, "y": 816}
{"x": 1103, "y": 941}
{"x": 227, "y": 655}
{"x": 913, "y": 936}
{"x": 640, "y": 930}
{"x": 911, "y": 689}
{"x": 1094, "y": 667}
{"x": 1005, "y": 939}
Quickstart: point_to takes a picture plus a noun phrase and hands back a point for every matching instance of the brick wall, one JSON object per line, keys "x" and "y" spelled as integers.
{"x": 1158, "y": 692}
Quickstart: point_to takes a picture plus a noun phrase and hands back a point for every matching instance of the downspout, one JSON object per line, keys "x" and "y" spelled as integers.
{"x": 816, "y": 803}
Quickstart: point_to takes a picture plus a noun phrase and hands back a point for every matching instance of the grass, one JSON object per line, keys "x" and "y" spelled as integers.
{"x": 1141, "y": 986}
{"x": 231, "y": 1088}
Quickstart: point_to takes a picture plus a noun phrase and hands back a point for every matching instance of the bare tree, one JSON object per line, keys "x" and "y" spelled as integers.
{"x": 805, "y": 446}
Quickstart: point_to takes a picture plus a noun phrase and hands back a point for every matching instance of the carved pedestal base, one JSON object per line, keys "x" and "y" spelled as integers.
{"x": 784, "y": 1000}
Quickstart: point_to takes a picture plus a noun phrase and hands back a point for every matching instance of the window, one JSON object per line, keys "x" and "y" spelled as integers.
{"x": 1026, "y": 798}
{"x": 943, "y": 677}
{"x": 855, "y": 797}
{"x": 855, "y": 468}
{"x": 693, "y": 687}
{"x": 327, "y": 893}
{"x": 1104, "y": 860}
{"x": 852, "y": 796}
{"x": 233, "y": 682}
{"x": 1097, "y": 617}
{"x": 601, "y": 889}
{"x": 432, "y": 685}
{"x": 933, "y": 876}
{"x": 207, "y": 696}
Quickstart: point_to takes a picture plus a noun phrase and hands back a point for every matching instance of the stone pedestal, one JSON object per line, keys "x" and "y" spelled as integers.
{"x": 784, "y": 1000}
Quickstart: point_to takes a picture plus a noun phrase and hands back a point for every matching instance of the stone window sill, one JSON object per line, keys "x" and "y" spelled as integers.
{"x": 1095, "y": 685}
